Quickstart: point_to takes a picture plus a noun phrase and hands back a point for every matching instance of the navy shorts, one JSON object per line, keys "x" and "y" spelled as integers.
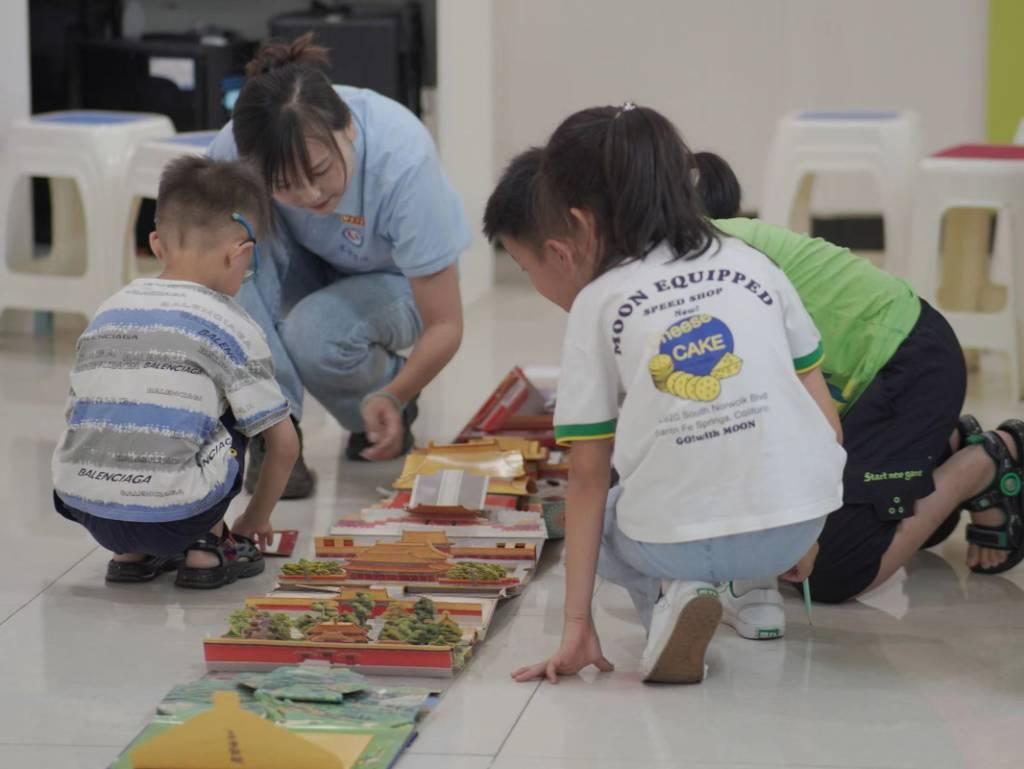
{"x": 165, "y": 539}
{"x": 895, "y": 435}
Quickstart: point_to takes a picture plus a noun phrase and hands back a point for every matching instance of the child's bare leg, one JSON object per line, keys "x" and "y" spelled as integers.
{"x": 966, "y": 474}
{"x": 201, "y": 559}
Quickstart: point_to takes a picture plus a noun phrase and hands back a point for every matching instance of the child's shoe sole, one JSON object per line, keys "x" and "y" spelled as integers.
{"x": 681, "y": 660}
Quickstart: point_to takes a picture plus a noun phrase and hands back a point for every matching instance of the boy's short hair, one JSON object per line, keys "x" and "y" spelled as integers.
{"x": 509, "y": 211}
{"x": 198, "y": 193}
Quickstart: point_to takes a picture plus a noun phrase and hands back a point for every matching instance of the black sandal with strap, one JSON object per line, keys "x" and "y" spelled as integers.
{"x": 146, "y": 570}
{"x": 239, "y": 558}
{"x": 968, "y": 427}
{"x": 1004, "y": 493}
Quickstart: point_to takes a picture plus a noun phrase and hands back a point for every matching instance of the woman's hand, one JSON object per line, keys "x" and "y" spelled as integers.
{"x": 803, "y": 568}
{"x": 384, "y": 427}
{"x": 580, "y": 648}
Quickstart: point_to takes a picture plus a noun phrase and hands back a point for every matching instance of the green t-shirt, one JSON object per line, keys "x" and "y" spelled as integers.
{"x": 862, "y": 313}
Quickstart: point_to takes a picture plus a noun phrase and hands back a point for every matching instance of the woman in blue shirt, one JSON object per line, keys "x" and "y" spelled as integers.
{"x": 364, "y": 262}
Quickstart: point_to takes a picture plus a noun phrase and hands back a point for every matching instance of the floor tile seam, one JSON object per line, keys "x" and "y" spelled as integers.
{"x": 519, "y": 718}
{"x": 50, "y": 584}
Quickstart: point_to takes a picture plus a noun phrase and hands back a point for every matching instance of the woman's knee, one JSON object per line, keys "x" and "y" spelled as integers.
{"x": 319, "y": 347}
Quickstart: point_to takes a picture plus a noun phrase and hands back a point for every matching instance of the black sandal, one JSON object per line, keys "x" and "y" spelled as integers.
{"x": 146, "y": 570}
{"x": 1003, "y": 493}
{"x": 967, "y": 427}
{"x": 239, "y": 558}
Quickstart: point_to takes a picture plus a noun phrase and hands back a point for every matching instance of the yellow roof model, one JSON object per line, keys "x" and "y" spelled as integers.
{"x": 505, "y": 469}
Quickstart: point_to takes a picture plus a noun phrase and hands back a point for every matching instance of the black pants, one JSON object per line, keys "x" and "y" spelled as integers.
{"x": 895, "y": 435}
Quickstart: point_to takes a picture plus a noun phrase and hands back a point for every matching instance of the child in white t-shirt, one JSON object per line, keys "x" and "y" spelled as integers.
{"x": 692, "y": 351}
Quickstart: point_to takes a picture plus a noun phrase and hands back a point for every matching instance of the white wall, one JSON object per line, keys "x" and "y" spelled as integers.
{"x": 15, "y": 98}
{"x": 14, "y": 84}
{"x": 725, "y": 70}
{"x": 465, "y": 126}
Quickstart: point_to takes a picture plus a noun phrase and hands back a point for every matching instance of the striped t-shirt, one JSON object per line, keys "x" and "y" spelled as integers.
{"x": 159, "y": 365}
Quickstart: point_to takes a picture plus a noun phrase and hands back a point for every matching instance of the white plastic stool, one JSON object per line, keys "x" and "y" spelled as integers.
{"x": 143, "y": 181}
{"x": 883, "y": 143}
{"x": 91, "y": 150}
{"x": 973, "y": 177}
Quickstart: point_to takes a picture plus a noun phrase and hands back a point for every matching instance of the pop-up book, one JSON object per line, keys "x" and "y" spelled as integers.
{"x": 423, "y": 642}
{"x": 495, "y": 526}
{"x": 505, "y": 469}
{"x": 517, "y": 407}
{"x": 472, "y": 613}
{"x": 509, "y": 553}
{"x": 362, "y": 725}
{"x": 416, "y": 565}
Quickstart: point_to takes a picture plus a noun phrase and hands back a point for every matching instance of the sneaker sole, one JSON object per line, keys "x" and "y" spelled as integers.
{"x": 682, "y": 659}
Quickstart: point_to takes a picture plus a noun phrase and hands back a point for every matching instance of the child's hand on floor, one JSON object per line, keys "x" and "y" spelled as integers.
{"x": 580, "y": 647}
{"x": 261, "y": 532}
{"x": 803, "y": 568}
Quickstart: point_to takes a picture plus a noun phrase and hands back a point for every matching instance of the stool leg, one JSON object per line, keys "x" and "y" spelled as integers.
{"x": 69, "y": 247}
{"x": 964, "y": 265}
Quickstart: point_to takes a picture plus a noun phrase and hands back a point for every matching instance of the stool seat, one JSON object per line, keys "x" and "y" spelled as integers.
{"x": 957, "y": 189}
{"x": 142, "y": 180}
{"x": 982, "y": 152}
{"x": 84, "y": 154}
{"x": 91, "y": 117}
{"x": 884, "y": 143}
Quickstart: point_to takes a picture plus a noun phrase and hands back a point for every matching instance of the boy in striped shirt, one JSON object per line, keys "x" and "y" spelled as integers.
{"x": 171, "y": 378}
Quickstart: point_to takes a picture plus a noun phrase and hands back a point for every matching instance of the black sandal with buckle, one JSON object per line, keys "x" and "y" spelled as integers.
{"x": 239, "y": 558}
{"x": 968, "y": 427}
{"x": 1004, "y": 493}
{"x": 146, "y": 570}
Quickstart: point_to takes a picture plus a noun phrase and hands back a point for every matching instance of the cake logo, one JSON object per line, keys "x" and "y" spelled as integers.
{"x": 694, "y": 355}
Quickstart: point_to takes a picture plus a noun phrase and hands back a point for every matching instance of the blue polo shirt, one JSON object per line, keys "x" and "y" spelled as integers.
{"x": 399, "y": 213}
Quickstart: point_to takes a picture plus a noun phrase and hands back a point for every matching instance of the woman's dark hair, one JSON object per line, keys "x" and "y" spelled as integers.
{"x": 287, "y": 100}
{"x": 717, "y": 186}
{"x": 629, "y": 168}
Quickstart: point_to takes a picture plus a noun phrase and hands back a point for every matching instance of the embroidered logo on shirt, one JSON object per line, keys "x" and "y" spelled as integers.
{"x": 694, "y": 356}
{"x": 354, "y": 236}
{"x": 358, "y": 221}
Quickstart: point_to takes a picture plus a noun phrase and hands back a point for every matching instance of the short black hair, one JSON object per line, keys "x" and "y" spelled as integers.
{"x": 718, "y": 186}
{"x": 198, "y": 193}
{"x": 509, "y": 210}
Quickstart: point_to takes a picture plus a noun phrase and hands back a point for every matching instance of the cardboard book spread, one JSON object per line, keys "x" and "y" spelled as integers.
{"x": 310, "y": 715}
{"x": 402, "y": 639}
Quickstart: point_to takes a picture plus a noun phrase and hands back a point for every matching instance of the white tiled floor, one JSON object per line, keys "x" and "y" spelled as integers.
{"x": 928, "y": 672}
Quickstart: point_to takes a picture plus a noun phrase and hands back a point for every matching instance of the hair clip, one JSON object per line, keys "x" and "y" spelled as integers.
{"x": 627, "y": 107}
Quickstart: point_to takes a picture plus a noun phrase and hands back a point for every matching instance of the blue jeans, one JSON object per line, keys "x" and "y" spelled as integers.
{"x": 332, "y": 334}
{"x": 641, "y": 566}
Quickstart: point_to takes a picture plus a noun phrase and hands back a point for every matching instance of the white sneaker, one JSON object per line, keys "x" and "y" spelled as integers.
{"x": 683, "y": 622}
{"x": 754, "y": 609}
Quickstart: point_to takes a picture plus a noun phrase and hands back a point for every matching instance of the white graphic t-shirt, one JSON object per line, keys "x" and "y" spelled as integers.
{"x": 692, "y": 366}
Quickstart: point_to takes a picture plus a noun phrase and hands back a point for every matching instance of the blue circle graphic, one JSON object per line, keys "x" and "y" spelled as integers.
{"x": 696, "y": 344}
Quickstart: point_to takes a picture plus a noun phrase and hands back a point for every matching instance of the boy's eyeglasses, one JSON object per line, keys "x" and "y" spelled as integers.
{"x": 252, "y": 237}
